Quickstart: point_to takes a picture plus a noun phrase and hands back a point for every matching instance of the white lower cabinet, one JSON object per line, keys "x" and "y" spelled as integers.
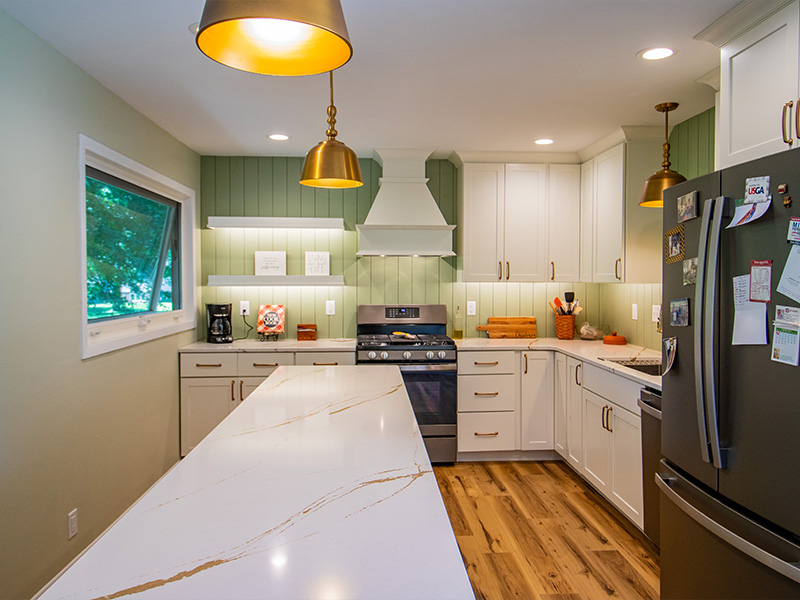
{"x": 325, "y": 359}
{"x": 536, "y": 401}
{"x": 560, "y": 405}
{"x": 574, "y": 409}
{"x": 486, "y": 432}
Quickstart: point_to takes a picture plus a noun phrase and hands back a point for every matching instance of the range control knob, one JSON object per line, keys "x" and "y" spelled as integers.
{"x": 372, "y": 354}
{"x": 442, "y": 354}
{"x": 429, "y": 354}
{"x": 384, "y": 355}
{"x": 407, "y": 355}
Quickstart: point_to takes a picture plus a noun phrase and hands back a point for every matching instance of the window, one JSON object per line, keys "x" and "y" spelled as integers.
{"x": 138, "y": 252}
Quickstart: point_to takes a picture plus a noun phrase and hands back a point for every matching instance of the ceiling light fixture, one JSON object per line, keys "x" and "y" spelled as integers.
{"x": 653, "y": 192}
{"x": 279, "y": 137}
{"x": 543, "y": 141}
{"x": 275, "y": 37}
{"x": 655, "y": 53}
{"x": 331, "y": 164}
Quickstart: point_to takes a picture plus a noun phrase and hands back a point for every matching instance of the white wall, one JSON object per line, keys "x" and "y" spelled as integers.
{"x": 90, "y": 434}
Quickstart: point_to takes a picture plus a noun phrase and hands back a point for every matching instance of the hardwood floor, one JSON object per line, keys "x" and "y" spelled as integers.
{"x": 537, "y": 531}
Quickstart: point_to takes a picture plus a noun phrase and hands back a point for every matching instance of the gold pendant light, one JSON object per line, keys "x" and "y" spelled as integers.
{"x": 653, "y": 192}
{"x": 275, "y": 37}
{"x": 331, "y": 164}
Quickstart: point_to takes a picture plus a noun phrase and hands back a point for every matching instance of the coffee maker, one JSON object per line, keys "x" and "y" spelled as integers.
{"x": 219, "y": 323}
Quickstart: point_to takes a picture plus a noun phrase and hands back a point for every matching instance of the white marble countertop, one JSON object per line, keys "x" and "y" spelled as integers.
{"x": 585, "y": 350}
{"x": 323, "y": 345}
{"x": 316, "y": 486}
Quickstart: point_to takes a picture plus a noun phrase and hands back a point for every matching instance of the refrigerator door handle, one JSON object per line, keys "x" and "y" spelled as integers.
{"x": 699, "y": 321}
{"x": 790, "y": 569}
{"x": 718, "y": 454}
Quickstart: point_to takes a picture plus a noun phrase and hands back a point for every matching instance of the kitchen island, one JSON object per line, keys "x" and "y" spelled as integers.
{"x": 317, "y": 486}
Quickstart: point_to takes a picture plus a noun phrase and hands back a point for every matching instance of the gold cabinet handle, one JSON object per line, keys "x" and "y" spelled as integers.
{"x": 333, "y": 364}
{"x": 486, "y": 393}
{"x": 493, "y": 433}
{"x": 603, "y": 419}
{"x": 608, "y": 419}
{"x": 526, "y": 363}
{"x": 265, "y": 364}
{"x": 207, "y": 366}
{"x": 617, "y": 265}
{"x": 553, "y": 276}
{"x": 797, "y": 120}
{"x": 508, "y": 270}
{"x": 233, "y": 394}
{"x": 577, "y": 367}
{"x": 487, "y": 363}
{"x": 500, "y": 270}
{"x": 241, "y": 390}
{"x": 787, "y": 107}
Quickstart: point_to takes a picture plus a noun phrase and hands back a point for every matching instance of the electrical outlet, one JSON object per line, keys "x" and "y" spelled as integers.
{"x": 656, "y": 313}
{"x": 635, "y": 312}
{"x": 330, "y": 307}
{"x": 471, "y": 308}
{"x": 244, "y": 307}
{"x": 72, "y": 522}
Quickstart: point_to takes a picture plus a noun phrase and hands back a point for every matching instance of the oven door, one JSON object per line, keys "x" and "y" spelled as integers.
{"x": 432, "y": 391}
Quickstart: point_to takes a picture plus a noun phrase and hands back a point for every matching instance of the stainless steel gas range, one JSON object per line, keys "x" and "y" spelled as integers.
{"x": 413, "y": 337}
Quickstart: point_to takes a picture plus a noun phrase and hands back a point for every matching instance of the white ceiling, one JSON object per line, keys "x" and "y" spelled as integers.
{"x": 445, "y": 75}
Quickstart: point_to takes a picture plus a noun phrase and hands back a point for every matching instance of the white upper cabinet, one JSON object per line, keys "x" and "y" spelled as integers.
{"x": 759, "y": 82}
{"x": 509, "y": 212}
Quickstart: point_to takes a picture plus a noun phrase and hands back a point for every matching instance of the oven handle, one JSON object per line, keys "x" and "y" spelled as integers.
{"x": 419, "y": 368}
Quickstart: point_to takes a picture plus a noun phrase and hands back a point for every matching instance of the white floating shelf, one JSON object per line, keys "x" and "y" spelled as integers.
{"x": 277, "y": 222}
{"x": 220, "y": 280}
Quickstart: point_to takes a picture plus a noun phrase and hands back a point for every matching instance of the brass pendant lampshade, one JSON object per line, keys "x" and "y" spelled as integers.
{"x": 331, "y": 164}
{"x": 653, "y": 192}
{"x": 275, "y": 37}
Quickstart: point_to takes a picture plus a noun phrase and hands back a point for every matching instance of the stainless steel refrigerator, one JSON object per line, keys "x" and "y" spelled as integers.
{"x": 730, "y": 473}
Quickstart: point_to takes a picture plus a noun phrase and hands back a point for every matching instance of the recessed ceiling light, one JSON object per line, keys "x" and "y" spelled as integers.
{"x": 279, "y": 137}
{"x": 655, "y": 53}
{"x": 543, "y": 141}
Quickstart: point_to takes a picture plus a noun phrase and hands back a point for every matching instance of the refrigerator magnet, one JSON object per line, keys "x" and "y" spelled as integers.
{"x": 690, "y": 271}
{"x": 760, "y": 280}
{"x": 674, "y": 245}
{"x": 687, "y": 206}
{"x": 784, "y": 344}
{"x": 679, "y": 312}
{"x": 670, "y": 350}
{"x": 793, "y": 237}
{"x": 756, "y": 190}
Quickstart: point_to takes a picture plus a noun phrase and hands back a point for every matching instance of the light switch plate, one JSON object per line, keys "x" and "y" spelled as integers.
{"x": 656, "y": 312}
{"x": 471, "y": 308}
{"x": 330, "y": 307}
{"x": 635, "y": 312}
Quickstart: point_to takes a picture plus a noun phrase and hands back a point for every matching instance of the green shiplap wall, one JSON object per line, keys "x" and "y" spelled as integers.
{"x": 692, "y": 145}
{"x": 267, "y": 186}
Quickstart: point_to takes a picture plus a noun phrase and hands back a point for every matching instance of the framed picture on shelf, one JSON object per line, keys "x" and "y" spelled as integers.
{"x": 318, "y": 263}
{"x": 270, "y": 262}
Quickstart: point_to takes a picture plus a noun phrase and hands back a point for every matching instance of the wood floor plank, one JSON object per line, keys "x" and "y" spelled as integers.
{"x": 539, "y": 531}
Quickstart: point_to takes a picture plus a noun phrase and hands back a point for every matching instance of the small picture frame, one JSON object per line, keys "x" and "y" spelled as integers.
{"x": 679, "y": 312}
{"x": 687, "y": 206}
{"x": 674, "y": 245}
{"x": 270, "y": 262}
{"x": 318, "y": 263}
{"x": 690, "y": 271}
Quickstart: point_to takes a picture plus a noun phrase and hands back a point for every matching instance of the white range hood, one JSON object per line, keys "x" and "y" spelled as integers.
{"x": 404, "y": 219}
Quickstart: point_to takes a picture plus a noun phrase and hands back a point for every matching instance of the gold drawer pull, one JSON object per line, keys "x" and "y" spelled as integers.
{"x": 487, "y": 363}
{"x": 486, "y": 393}
{"x": 487, "y": 434}
{"x": 265, "y": 364}
{"x": 333, "y": 364}
{"x": 201, "y": 365}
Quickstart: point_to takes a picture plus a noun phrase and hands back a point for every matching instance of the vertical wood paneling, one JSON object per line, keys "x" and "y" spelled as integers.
{"x": 692, "y": 145}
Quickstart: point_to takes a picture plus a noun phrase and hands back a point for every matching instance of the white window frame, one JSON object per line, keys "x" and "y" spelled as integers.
{"x": 100, "y": 337}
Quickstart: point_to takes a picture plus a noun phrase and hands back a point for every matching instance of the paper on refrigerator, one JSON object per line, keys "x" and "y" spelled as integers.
{"x": 750, "y": 318}
{"x": 789, "y": 285}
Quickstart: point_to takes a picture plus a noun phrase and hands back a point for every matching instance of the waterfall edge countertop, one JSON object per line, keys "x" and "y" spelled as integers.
{"x": 317, "y": 486}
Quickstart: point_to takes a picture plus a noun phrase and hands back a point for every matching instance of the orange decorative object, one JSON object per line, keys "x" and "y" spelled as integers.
{"x": 271, "y": 318}
{"x": 306, "y": 331}
{"x": 615, "y": 339}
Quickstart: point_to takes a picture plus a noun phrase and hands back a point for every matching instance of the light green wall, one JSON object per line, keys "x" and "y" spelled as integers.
{"x": 692, "y": 145}
{"x": 91, "y": 434}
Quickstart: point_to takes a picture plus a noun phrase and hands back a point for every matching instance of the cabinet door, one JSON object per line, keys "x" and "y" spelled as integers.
{"x": 609, "y": 216}
{"x": 205, "y": 402}
{"x": 597, "y": 465}
{"x": 247, "y": 385}
{"x": 626, "y": 482}
{"x": 574, "y": 393}
{"x": 482, "y": 222}
{"x": 525, "y": 248}
{"x": 587, "y": 220}
{"x": 536, "y": 401}
{"x": 564, "y": 210}
{"x": 560, "y": 405}
{"x": 750, "y": 108}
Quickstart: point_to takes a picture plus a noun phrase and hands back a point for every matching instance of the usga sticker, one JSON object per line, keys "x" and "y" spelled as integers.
{"x": 756, "y": 190}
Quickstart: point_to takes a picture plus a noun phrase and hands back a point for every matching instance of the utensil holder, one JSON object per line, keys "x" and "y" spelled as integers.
{"x": 565, "y": 327}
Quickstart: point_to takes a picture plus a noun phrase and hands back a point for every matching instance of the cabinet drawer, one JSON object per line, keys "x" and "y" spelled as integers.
{"x": 487, "y": 431}
{"x": 262, "y": 363}
{"x": 486, "y": 393}
{"x": 325, "y": 358}
{"x": 615, "y": 388}
{"x": 218, "y": 364}
{"x": 475, "y": 363}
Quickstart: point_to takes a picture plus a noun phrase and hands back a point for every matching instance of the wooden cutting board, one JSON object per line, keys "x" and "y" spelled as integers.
{"x": 510, "y": 327}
